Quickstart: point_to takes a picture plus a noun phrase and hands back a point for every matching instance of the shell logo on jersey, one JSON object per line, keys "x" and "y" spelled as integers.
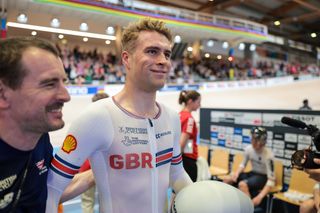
{"x": 69, "y": 144}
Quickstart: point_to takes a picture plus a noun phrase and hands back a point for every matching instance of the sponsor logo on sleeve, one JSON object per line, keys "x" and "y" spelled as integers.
{"x": 41, "y": 166}
{"x": 69, "y": 144}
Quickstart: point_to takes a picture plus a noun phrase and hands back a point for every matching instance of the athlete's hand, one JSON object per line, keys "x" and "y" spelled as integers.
{"x": 234, "y": 177}
{"x": 256, "y": 200}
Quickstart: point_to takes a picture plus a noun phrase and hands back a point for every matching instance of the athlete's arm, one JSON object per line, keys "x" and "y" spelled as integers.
{"x": 242, "y": 165}
{"x": 184, "y": 140}
{"x": 187, "y": 127}
{"x": 80, "y": 183}
{"x": 270, "y": 182}
{"x": 87, "y": 134}
{"x": 270, "y": 169}
{"x": 178, "y": 176}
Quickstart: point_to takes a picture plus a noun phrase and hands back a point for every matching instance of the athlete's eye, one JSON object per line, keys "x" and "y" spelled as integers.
{"x": 152, "y": 52}
{"x": 167, "y": 55}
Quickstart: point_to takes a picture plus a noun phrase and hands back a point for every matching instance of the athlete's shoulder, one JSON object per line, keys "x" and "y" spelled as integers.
{"x": 165, "y": 110}
{"x": 91, "y": 122}
{"x": 96, "y": 110}
{"x": 186, "y": 116}
{"x": 268, "y": 152}
{"x": 249, "y": 148}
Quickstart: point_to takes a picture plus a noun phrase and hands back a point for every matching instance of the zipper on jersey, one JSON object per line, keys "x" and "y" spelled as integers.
{"x": 154, "y": 170}
{"x": 150, "y": 122}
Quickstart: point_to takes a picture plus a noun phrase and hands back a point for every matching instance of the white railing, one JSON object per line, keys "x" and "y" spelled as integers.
{"x": 199, "y": 17}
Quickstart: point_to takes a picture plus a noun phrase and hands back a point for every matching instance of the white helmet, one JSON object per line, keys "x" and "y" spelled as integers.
{"x": 211, "y": 197}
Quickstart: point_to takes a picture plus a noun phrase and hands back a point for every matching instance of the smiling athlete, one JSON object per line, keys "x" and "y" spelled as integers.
{"x": 132, "y": 141}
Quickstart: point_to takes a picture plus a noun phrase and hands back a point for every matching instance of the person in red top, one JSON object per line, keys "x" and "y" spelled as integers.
{"x": 188, "y": 141}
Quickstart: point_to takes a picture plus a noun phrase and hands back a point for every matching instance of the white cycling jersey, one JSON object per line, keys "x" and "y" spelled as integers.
{"x": 262, "y": 162}
{"x": 134, "y": 160}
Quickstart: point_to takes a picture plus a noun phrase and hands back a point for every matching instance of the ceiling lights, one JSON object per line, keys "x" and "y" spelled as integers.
{"x": 84, "y": 27}
{"x": 252, "y": 47}
{"x": 276, "y": 23}
{"x": 210, "y": 43}
{"x": 22, "y": 18}
{"x": 60, "y": 31}
{"x": 225, "y": 45}
{"x": 242, "y": 46}
{"x": 110, "y": 30}
{"x": 313, "y": 35}
{"x": 177, "y": 39}
{"x": 55, "y": 23}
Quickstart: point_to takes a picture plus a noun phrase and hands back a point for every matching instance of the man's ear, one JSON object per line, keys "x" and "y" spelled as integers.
{"x": 4, "y": 103}
{"x": 125, "y": 59}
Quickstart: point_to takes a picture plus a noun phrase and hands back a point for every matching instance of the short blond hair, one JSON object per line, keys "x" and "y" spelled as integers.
{"x": 131, "y": 32}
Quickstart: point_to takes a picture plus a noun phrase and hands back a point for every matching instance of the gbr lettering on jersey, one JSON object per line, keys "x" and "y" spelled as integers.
{"x": 128, "y": 136}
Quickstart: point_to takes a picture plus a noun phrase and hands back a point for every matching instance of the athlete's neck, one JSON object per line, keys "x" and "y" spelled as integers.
{"x": 142, "y": 104}
{"x": 186, "y": 108}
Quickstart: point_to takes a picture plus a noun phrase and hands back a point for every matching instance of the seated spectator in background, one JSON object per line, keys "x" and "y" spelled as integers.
{"x": 312, "y": 205}
{"x": 305, "y": 105}
{"x": 88, "y": 197}
{"x": 188, "y": 141}
{"x": 261, "y": 178}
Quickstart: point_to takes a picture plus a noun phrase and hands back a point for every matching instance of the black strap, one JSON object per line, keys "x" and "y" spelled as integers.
{"x": 14, "y": 205}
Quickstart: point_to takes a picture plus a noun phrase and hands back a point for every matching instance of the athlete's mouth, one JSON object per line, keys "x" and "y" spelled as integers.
{"x": 159, "y": 71}
{"x": 57, "y": 107}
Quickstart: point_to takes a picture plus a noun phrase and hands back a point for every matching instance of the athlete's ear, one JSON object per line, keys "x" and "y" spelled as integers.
{"x": 4, "y": 103}
{"x": 125, "y": 56}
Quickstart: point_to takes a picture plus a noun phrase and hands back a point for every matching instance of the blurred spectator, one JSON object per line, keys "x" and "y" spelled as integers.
{"x": 188, "y": 141}
{"x": 305, "y": 105}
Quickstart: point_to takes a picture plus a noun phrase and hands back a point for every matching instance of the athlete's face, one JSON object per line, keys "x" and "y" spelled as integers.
{"x": 37, "y": 105}
{"x": 149, "y": 63}
{"x": 257, "y": 144}
{"x": 195, "y": 105}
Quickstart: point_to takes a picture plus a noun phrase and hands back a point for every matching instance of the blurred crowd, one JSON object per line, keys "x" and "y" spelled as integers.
{"x": 86, "y": 67}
